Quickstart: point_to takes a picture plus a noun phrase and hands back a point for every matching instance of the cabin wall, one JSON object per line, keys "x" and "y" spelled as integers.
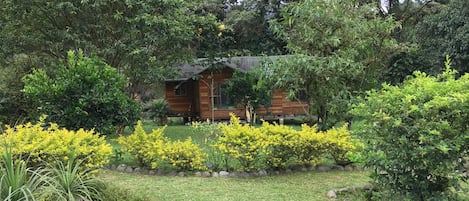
{"x": 181, "y": 105}
{"x": 219, "y": 76}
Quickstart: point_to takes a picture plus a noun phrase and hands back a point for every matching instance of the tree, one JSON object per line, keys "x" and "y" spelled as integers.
{"x": 84, "y": 92}
{"x": 338, "y": 47}
{"x": 249, "y": 91}
{"x": 142, "y": 39}
{"x": 416, "y": 135}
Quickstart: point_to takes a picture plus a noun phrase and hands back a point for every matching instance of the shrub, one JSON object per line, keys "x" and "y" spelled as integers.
{"x": 146, "y": 148}
{"x": 184, "y": 155}
{"x": 153, "y": 149}
{"x": 84, "y": 92}
{"x": 18, "y": 181}
{"x": 47, "y": 145}
{"x": 278, "y": 144}
{"x": 158, "y": 110}
{"x": 241, "y": 142}
{"x": 417, "y": 134}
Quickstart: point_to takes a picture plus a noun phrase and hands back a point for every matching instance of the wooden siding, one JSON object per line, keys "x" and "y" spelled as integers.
{"x": 197, "y": 101}
{"x": 181, "y": 105}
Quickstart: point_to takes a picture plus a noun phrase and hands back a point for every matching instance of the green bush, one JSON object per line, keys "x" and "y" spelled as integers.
{"x": 417, "y": 134}
{"x": 84, "y": 93}
{"x": 157, "y": 110}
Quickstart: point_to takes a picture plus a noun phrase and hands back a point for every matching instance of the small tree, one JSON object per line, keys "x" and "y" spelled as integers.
{"x": 417, "y": 134}
{"x": 339, "y": 48}
{"x": 246, "y": 89}
{"x": 84, "y": 92}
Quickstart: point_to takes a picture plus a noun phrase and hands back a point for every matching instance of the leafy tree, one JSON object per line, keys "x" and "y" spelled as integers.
{"x": 249, "y": 91}
{"x": 142, "y": 39}
{"x": 338, "y": 49}
{"x": 84, "y": 92}
{"x": 417, "y": 135}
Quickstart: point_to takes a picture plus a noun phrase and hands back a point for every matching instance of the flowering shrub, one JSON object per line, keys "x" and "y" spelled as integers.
{"x": 146, "y": 148}
{"x": 276, "y": 146}
{"x": 241, "y": 142}
{"x": 153, "y": 149}
{"x": 49, "y": 145}
{"x": 184, "y": 155}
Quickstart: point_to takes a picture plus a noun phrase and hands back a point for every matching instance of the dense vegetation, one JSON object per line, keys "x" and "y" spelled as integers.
{"x": 85, "y": 64}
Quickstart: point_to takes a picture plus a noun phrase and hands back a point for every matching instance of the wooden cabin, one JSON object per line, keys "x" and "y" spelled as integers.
{"x": 198, "y": 92}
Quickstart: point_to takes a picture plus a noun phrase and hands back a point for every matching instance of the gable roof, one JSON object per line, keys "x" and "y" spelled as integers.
{"x": 243, "y": 64}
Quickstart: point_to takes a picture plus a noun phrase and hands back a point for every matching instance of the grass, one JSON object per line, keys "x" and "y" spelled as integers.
{"x": 296, "y": 186}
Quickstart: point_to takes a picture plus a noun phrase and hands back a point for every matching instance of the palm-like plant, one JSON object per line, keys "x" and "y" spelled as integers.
{"x": 18, "y": 182}
{"x": 73, "y": 182}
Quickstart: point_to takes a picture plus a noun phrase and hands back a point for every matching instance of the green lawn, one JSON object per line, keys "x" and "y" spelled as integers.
{"x": 296, "y": 186}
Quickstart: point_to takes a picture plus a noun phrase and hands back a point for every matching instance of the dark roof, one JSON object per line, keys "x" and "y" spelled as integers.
{"x": 243, "y": 64}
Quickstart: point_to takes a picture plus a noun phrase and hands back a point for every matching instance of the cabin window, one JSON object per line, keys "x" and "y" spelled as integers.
{"x": 180, "y": 89}
{"x": 220, "y": 98}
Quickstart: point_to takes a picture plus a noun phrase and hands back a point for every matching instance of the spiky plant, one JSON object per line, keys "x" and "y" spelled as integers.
{"x": 18, "y": 182}
{"x": 73, "y": 182}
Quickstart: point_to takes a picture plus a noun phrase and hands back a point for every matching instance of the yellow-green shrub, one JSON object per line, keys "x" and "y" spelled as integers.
{"x": 184, "y": 155}
{"x": 340, "y": 144}
{"x": 241, "y": 142}
{"x": 278, "y": 141}
{"x": 48, "y": 145}
{"x": 146, "y": 148}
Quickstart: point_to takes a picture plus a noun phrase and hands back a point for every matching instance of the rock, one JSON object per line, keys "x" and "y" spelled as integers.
{"x": 121, "y": 167}
{"x": 215, "y": 174}
{"x": 311, "y": 168}
{"x": 107, "y": 166}
{"x": 160, "y": 172}
{"x": 357, "y": 168}
{"x": 138, "y": 170}
{"x": 129, "y": 169}
{"x": 338, "y": 167}
{"x": 181, "y": 174}
{"x": 172, "y": 173}
{"x": 151, "y": 172}
{"x": 323, "y": 168}
{"x": 276, "y": 172}
{"x": 262, "y": 173}
{"x": 343, "y": 190}
{"x": 367, "y": 187}
{"x": 224, "y": 174}
{"x": 288, "y": 171}
{"x": 243, "y": 174}
{"x": 206, "y": 174}
{"x": 304, "y": 169}
{"x": 348, "y": 168}
{"x": 198, "y": 174}
{"x": 331, "y": 194}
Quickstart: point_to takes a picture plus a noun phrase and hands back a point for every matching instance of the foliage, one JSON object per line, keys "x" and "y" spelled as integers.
{"x": 339, "y": 47}
{"x": 70, "y": 181}
{"x": 184, "y": 155}
{"x": 144, "y": 147}
{"x": 139, "y": 38}
{"x": 153, "y": 149}
{"x": 43, "y": 146}
{"x": 241, "y": 142}
{"x": 417, "y": 134}
{"x": 246, "y": 89}
{"x": 277, "y": 146}
{"x": 84, "y": 93}
{"x": 445, "y": 33}
{"x": 158, "y": 110}
{"x": 18, "y": 181}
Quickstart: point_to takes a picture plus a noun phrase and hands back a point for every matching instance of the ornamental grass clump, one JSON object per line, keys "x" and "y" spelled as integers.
{"x": 44, "y": 144}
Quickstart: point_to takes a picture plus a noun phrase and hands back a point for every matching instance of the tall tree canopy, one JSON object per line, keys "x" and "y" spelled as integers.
{"x": 142, "y": 39}
{"x": 338, "y": 46}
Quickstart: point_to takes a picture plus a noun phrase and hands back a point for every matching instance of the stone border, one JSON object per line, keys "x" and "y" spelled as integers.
{"x": 333, "y": 193}
{"x": 259, "y": 173}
